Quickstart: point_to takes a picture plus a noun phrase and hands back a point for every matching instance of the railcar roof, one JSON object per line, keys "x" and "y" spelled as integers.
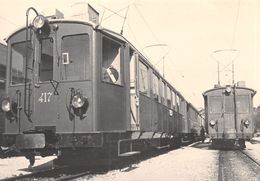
{"x": 221, "y": 88}
{"x": 2, "y": 42}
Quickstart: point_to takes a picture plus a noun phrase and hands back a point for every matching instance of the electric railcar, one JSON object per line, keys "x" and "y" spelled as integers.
{"x": 229, "y": 115}
{"x": 85, "y": 93}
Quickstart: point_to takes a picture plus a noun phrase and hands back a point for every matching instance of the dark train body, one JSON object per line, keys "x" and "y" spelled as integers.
{"x": 88, "y": 92}
{"x": 3, "y": 58}
{"x": 229, "y": 115}
{"x": 257, "y": 120}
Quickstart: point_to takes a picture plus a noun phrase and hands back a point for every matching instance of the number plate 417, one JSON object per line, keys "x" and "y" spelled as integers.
{"x": 45, "y": 97}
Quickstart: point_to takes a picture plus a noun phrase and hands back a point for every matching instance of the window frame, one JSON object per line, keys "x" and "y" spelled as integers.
{"x": 140, "y": 60}
{"x": 40, "y": 54}
{"x": 11, "y": 63}
{"x": 90, "y": 58}
{"x": 122, "y": 62}
{"x": 221, "y": 101}
{"x": 174, "y": 104}
{"x": 170, "y": 96}
{"x": 231, "y": 107}
{"x": 178, "y": 103}
{"x": 162, "y": 92}
{"x": 243, "y": 103}
{"x": 152, "y": 89}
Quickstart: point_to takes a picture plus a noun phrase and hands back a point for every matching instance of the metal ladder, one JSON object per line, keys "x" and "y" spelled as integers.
{"x": 27, "y": 85}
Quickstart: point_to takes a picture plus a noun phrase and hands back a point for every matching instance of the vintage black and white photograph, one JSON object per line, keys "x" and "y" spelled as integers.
{"x": 130, "y": 90}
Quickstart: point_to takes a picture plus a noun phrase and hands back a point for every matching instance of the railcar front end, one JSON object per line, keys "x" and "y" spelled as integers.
{"x": 54, "y": 97}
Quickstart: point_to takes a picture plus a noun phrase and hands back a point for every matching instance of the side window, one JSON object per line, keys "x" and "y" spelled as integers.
{"x": 178, "y": 103}
{"x": 174, "y": 101}
{"x": 168, "y": 97}
{"x": 75, "y": 57}
{"x": 143, "y": 78}
{"x": 46, "y": 64}
{"x": 155, "y": 88}
{"x": 162, "y": 92}
{"x": 111, "y": 62}
{"x": 132, "y": 71}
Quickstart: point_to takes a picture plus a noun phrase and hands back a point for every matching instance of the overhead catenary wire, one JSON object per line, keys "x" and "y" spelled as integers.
{"x": 235, "y": 24}
{"x": 231, "y": 49}
{"x": 116, "y": 14}
{"x": 156, "y": 38}
{"x": 146, "y": 23}
{"x": 133, "y": 34}
{"x": 113, "y": 12}
{"x": 7, "y": 20}
{"x": 103, "y": 14}
{"x": 122, "y": 29}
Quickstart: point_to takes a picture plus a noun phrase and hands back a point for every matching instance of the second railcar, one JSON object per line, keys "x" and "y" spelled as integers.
{"x": 229, "y": 115}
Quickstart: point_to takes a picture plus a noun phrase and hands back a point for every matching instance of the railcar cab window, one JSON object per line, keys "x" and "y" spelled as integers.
{"x": 229, "y": 104}
{"x": 46, "y": 63}
{"x": 143, "y": 78}
{"x": 215, "y": 104}
{"x": 111, "y": 62}
{"x": 75, "y": 57}
{"x": 155, "y": 88}
{"x": 18, "y": 58}
{"x": 243, "y": 103}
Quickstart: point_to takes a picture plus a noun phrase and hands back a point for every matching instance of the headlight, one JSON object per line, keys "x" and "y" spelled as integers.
{"x": 228, "y": 90}
{"x": 78, "y": 101}
{"x": 246, "y": 123}
{"x": 41, "y": 26}
{"x": 212, "y": 123}
{"x": 39, "y": 21}
{"x": 6, "y": 105}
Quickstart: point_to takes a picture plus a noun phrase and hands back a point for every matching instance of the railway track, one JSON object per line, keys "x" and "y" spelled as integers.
{"x": 237, "y": 165}
{"x": 251, "y": 158}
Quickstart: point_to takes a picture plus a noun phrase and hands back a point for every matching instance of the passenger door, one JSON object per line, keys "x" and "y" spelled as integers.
{"x": 113, "y": 100}
{"x": 45, "y": 101}
{"x": 134, "y": 93}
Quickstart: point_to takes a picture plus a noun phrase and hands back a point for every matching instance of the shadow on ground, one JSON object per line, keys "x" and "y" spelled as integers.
{"x": 46, "y": 166}
{"x": 200, "y": 145}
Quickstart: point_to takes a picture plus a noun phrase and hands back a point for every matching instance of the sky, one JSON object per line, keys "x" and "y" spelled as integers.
{"x": 193, "y": 36}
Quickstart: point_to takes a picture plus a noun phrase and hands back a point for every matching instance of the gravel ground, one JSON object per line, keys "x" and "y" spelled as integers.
{"x": 19, "y": 165}
{"x": 253, "y": 149}
{"x": 191, "y": 163}
{"x": 187, "y": 163}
